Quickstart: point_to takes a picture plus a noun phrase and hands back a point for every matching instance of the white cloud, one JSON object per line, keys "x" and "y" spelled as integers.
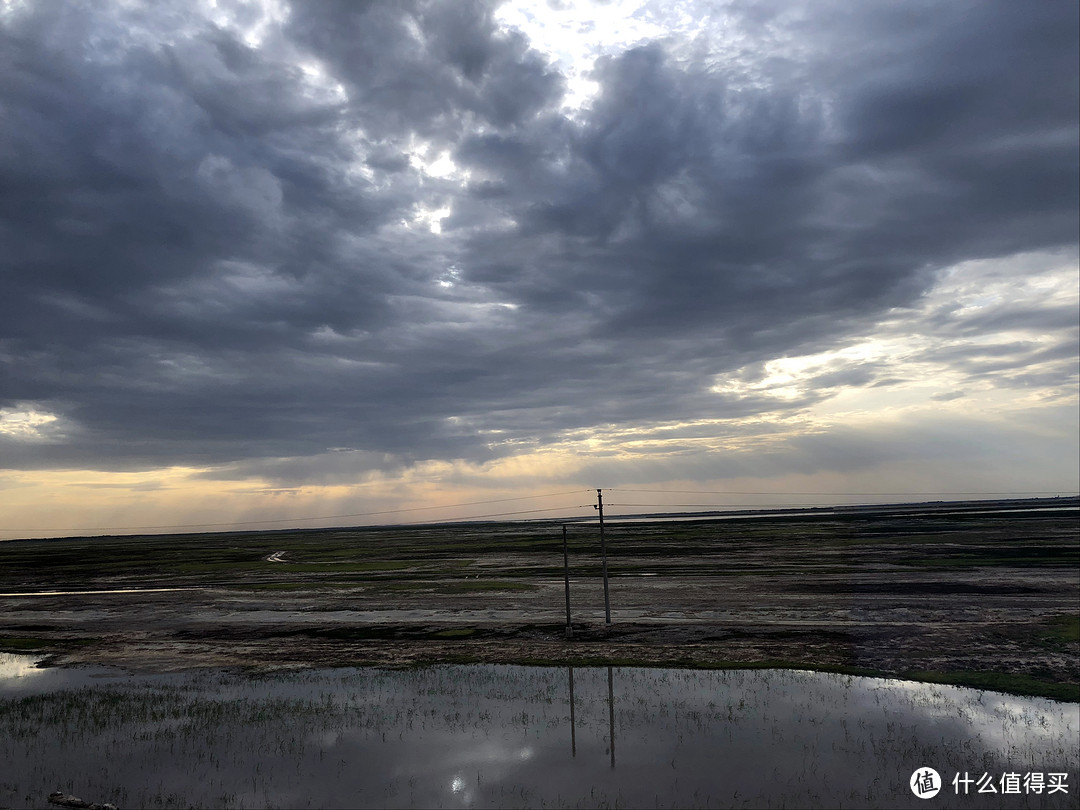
{"x": 29, "y": 424}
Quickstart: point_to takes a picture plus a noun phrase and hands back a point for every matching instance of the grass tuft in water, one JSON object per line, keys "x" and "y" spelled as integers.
{"x": 1002, "y": 682}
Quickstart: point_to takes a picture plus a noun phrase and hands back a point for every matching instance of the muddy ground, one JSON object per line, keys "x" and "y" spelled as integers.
{"x": 975, "y": 595}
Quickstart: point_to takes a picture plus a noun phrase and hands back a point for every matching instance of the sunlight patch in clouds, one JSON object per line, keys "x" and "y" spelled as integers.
{"x": 982, "y": 316}
{"x": 321, "y": 86}
{"x": 29, "y": 424}
{"x": 427, "y": 158}
{"x": 428, "y": 217}
{"x": 253, "y": 21}
{"x": 574, "y": 34}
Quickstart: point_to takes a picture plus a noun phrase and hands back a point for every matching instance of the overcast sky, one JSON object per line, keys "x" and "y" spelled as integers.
{"x": 272, "y": 261}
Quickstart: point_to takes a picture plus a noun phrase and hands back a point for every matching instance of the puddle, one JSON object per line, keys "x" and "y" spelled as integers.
{"x": 21, "y": 676}
{"x": 14, "y": 668}
{"x": 512, "y": 736}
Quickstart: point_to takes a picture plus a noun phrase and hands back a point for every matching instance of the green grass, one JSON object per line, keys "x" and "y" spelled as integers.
{"x": 343, "y": 567}
{"x": 691, "y": 663}
{"x": 23, "y": 644}
{"x": 401, "y": 587}
{"x": 296, "y": 586}
{"x": 1024, "y": 685}
{"x": 1024, "y": 556}
{"x": 1065, "y": 627}
{"x": 1002, "y": 682}
{"x": 460, "y": 632}
{"x": 20, "y": 644}
{"x": 483, "y": 585}
{"x": 380, "y": 632}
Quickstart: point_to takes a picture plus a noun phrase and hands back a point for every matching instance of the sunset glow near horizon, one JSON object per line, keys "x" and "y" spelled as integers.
{"x": 313, "y": 264}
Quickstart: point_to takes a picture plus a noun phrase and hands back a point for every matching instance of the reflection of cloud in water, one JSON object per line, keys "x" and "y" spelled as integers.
{"x": 18, "y": 666}
{"x": 1004, "y": 721}
{"x": 465, "y": 736}
{"x": 20, "y": 674}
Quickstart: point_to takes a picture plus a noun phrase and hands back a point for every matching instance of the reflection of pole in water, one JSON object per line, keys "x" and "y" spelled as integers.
{"x": 573, "y": 732}
{"x": 611, "y": 715}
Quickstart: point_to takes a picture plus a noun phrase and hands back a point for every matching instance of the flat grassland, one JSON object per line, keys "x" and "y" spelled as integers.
{"x": 976, "y": 593}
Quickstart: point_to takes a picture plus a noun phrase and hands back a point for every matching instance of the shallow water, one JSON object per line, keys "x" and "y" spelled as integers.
{"x": 509, "y": 736}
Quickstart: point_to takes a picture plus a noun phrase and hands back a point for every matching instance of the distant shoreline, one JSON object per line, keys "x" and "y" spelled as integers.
{"x": 1060, "y": 502}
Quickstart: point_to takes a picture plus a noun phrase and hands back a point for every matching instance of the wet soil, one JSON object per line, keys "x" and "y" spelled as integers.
{"x": 883, "y": 593}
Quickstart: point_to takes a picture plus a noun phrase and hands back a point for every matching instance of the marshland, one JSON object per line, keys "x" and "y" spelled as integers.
{"x": 801, "y": 659}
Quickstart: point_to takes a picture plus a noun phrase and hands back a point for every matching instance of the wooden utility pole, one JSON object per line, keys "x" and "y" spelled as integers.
{"x": 603, "y": 555}
{"x": 566, "y": 579}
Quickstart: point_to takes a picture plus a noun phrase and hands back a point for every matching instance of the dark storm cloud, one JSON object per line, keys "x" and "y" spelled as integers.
{"x": 204, "y": 260}
{"x": 424, "y": 67}
{"x": 787, "y": 203}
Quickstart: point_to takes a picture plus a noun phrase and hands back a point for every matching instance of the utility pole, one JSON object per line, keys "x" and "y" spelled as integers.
{"x": 566, "y": 579}
{"x": 603, "y": 556}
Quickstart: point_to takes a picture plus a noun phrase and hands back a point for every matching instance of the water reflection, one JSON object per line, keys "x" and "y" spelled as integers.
{"x": 21, "y": 674}
{"x": 13, "y": 668}
{"x": 573, "y": 719}
{"x": 496, "y": 736}
{"x": 611, "y": 715}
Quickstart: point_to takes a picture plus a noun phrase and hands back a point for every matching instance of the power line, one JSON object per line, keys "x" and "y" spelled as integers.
{"x": 742, "y": 505}
{"x": 834, "y": 498}
{"x": 719, "y": 505}
{"x": 839, "y": 494}
{"x": 500, "y": 514}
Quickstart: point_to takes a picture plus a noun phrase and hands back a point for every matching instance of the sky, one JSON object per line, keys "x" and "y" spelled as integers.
{"x": 266, "y": 265}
